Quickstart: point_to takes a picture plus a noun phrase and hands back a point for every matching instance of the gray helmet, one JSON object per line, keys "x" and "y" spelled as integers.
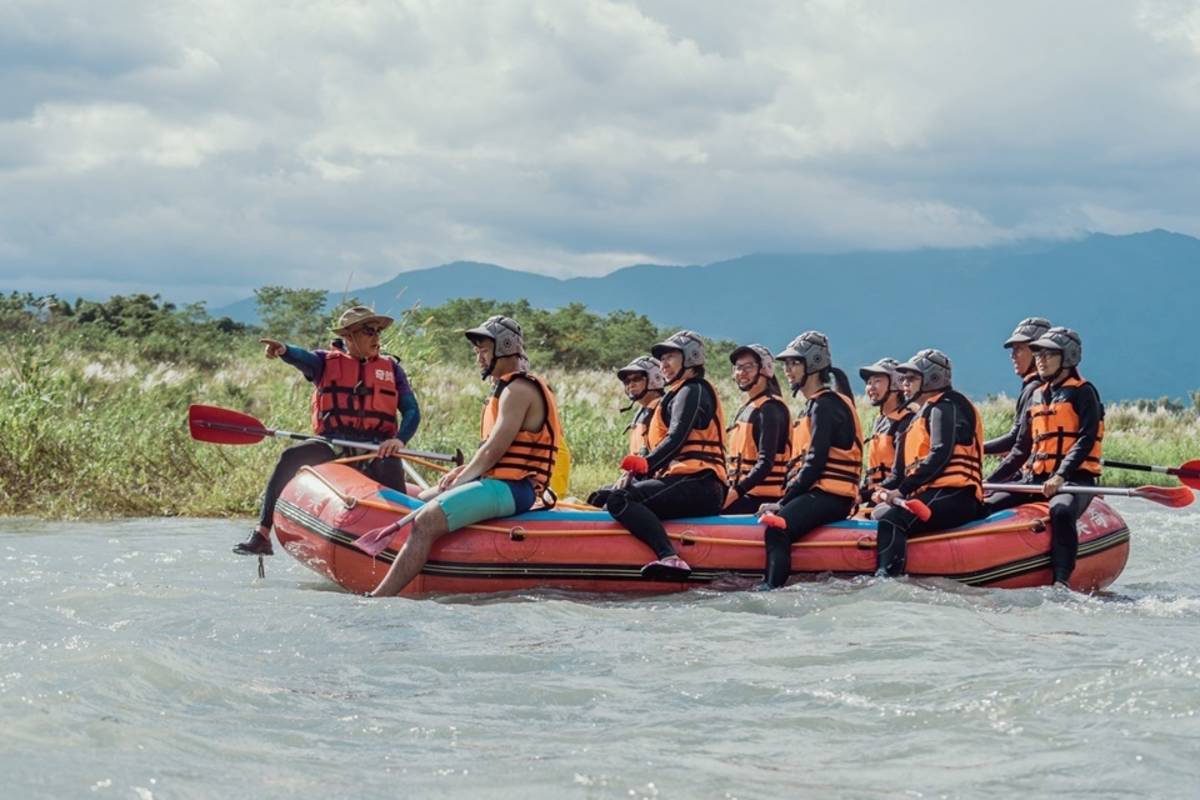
{"x": 1064, "y": 340}
{"x": 811, "y": 347}
{"x": 933, "y": 366}
{"x": 1027, "y": 330}
{"x": 648, "y": 366}
{"x": 884, "y": 366}
{"x": 687, "y": 342}
{"x": 505, "y": 332}
{"x": 766, "y": 361}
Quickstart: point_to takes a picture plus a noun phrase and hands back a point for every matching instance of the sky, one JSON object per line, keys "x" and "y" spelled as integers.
{"x": 202, "y": 149}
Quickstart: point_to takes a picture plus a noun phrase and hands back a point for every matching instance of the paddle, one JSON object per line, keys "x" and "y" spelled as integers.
{"x": 375, "y": 541}
{"x": 1188, "y": 474}
{"x": 914, "y": 507}
{"x": 1170, "y": 496}
{"x": 226, "y": 426}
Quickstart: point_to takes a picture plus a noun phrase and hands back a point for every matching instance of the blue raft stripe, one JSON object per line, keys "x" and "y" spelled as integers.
{"x": 747, "y": 520}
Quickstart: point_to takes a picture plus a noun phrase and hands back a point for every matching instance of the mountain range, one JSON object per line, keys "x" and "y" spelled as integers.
{"x": 1132, "y": 298}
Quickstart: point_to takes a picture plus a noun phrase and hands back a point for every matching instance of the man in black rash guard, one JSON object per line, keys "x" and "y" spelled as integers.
{"x": 759, "y": 449}
{"x": 940, "y": 462}
{"x": 644, "y": 382}
{"x": 826, "y": 454}
{"x": 685, "y": 467}
{"x": 1022, "y": 359}
{"x": 1064, "y": 438}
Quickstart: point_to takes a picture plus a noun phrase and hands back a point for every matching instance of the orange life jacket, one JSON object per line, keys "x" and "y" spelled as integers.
{"x": 965, "y": 467}
{"x": 639, "y": 428}
{"x": 356, "y": 398}
{"x": 743, "y": 451}
{"x": 1055, "y": 427}
{"x": 881, "y": 446}
{"x": 531, "y": 454}
{"x": 843, "y": 467}
{"x": 703, "y": 448}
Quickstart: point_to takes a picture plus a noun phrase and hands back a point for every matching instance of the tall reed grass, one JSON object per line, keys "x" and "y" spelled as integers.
{"x": 85, "y": 434}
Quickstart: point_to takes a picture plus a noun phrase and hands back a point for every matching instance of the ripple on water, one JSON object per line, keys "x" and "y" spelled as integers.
{"x": 140, "y": 659}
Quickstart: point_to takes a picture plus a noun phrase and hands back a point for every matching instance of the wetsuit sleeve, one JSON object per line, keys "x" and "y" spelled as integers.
{"x": 770, "y": 426}
{"x": 685, "y": 410}
{"x": 310, "y": 364}
{"x": 410, "y": 417}
{"x": 1086, "y": 402}
{"x": 1010, "y": 468}
{"x": 1003, "y": 444}
{"x": 943, "y": 422}
{"x": 823, "y": 419}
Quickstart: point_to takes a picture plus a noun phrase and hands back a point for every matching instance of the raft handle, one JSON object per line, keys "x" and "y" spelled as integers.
{"x": 516, "y": 533}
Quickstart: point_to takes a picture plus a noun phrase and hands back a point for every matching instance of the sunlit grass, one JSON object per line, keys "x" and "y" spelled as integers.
{"x": 83, "y": 436}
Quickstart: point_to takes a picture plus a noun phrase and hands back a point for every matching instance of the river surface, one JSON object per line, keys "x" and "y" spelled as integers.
{"x": 141, "y": 659}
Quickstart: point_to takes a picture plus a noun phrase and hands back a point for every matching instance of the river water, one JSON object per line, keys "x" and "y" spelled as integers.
{"x": 141, "y": 659}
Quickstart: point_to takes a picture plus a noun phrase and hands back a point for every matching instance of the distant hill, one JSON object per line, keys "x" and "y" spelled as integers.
{"x": 1132, "y": 297}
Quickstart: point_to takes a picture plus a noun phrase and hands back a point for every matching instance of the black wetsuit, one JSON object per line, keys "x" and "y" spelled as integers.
{"x": 643, "y": 504}
{"x": 1065, "y": 509}
{"x": 769, "y": 426}
{"x": 1009, "y": 444}
{"x": 951, "y": 422}
{"x": 802, "y": 506}
{"x": 640, "y": 417}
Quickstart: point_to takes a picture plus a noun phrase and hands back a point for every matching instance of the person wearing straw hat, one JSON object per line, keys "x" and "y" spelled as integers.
{"x": 358, "y": 393}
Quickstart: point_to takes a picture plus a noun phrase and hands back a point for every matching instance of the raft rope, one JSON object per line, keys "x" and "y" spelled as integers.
{"x": 518, "y": 533}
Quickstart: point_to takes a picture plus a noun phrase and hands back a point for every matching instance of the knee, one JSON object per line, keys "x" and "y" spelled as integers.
{"x": 617, "y": 502}
{"x": 1061, "y": 513}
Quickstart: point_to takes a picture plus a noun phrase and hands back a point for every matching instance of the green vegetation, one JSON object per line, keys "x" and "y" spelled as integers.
{"x": 93, "y": 399}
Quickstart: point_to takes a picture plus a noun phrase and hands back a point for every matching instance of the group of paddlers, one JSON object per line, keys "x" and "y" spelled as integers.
{"x": 926, "y": 444}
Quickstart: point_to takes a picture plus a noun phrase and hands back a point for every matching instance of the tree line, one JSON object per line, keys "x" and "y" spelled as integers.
{"x": 146, "y": 326}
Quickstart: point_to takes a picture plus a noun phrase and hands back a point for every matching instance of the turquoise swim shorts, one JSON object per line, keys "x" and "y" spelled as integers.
{"x": 486, "y": 498}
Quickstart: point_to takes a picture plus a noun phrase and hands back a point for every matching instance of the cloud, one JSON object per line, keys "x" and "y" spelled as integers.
{"x": 203, "y": 149}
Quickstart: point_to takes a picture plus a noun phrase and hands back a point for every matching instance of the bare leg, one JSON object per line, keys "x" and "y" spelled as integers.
{"x": 427, "y": 527}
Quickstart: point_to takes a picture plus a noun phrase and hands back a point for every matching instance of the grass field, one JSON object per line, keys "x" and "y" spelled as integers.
{"x": 87, "y": 435}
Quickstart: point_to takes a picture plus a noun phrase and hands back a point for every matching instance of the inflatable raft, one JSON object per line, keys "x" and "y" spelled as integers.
{"x": 324, "y": 509}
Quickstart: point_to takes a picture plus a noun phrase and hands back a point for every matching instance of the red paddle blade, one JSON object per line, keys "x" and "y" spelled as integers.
{"x": 376, "y": 541}
{"x": 1189, "y": 474}
{"x": 773, "y": 521}
{"x": 918, "y": 509}
{"x": 224, "y": 426}
{"x": 635, "y": 464}
{"x": 1169, "y": 496}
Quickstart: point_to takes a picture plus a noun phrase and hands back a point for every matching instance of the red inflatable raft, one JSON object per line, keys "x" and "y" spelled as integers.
{"x": 325, "y": 508}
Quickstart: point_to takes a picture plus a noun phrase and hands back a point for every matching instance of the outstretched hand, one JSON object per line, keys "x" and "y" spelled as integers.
{"x": 274, "y": 348}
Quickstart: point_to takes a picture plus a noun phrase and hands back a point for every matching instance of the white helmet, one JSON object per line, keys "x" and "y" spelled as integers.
{"x": 766, "y": 361}
{"x": 1064, "y": 340}
{"x": 1028, "y": 330}
{"x": 687, "y": 342}
{"x": 811, "y": 347}
{"x": 648, "y": 366}
{"x": 933, "y": 366}
{"x": 505, "y": 332}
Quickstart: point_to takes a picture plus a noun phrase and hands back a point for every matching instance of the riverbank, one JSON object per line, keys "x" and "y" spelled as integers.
{"x": 86, "y": 435}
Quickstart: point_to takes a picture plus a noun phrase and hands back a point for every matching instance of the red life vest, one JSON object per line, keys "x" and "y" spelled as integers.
{"x": 356, "y": 398}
